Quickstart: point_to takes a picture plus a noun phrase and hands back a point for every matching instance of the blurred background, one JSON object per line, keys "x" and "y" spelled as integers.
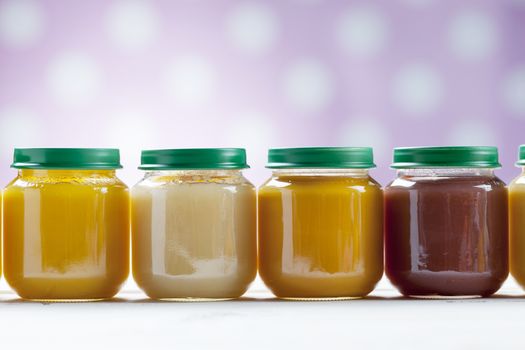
{"x": 137, "y": 74}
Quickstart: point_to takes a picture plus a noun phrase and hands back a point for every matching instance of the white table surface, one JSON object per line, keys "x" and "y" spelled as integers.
{"x": 258, "y": 321}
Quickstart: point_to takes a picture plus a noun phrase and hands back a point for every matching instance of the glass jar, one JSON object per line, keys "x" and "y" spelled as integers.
{"x": 517, "y": 222}
{"x": 194, "y": 225}
{"x": 66, "y": 225}
{"x": 446, "y": 225}
{"x": 320, "y": 224}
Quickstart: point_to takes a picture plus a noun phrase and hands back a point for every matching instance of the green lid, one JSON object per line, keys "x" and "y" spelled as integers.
{"x": 521, "y": 156}
{"x": 321, "y": 157}
{"x": 194, "y": 158}
{"x": 438, "y": 157}
{"x": 66, "y": 158}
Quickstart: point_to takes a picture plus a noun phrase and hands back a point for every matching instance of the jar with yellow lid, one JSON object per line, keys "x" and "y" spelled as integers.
{"x": 66, "y": 225}
{"x": 320, "y": 224}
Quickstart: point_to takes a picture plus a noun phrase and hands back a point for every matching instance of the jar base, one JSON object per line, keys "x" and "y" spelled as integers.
{"x": 318, "y": 298}
{"x": 445, "y": 297}
{"x": 65, "y": 301}
{"x": 192, "y": 300}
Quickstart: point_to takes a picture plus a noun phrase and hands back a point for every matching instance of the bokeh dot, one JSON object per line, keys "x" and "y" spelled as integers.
{"x": 137, "y": 130}
{"x": 361, "y": 31}
{"x": 308, "y": 85}
{"x": 472, "y": 132}
{"x": 19, "y": 127}
{"x": 254, "y": 131}
{"x": 514, "y": 92}
{"x": 252, "y": 27}
{"x": 366, "y": 131}
{"x": 473, "y": 35}
{"x": 191, "y": 79}
{"x": 418, "y": 3}
{"x": 132, "y": 24}
{"x": 21, "y": 23}
{"x": 417, "y": 90}
{"x": 74, "y": 78}
{"x": 309, "y": 2}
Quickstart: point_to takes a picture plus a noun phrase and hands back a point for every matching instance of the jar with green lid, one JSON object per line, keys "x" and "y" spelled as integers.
{"x": 446, "y": 224}
{"x": 194, "y": 225}
{"x": 517, "y": 221}
{"x": 66, "y": 224}
{"x": 320, "y": 223}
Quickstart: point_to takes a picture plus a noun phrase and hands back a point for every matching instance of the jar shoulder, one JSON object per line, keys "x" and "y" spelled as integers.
{"x": 322, "y": 183}
{"x": 49, "y": 183}
{"x": 488, "y": 183}
{"x": 192, "y": 182}
{"x": 518, "y": 183}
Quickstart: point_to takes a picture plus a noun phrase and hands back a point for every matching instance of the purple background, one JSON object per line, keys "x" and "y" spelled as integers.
{"x": 259, "y": 74}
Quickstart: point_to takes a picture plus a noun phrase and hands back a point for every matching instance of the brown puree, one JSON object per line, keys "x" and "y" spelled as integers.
{"x": 446, "y": 235}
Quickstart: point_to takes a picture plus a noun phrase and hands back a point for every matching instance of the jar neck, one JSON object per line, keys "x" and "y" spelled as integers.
{"x": 437, "y": 172}
{"x": 196, "y": 172}
{"x": 66, "y": 172}
{"x": 320, "y": 172}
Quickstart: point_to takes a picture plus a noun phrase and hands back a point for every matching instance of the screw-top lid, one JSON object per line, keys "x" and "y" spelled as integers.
{"x": 66, "y": 158}
{"x": 437, "y": 157}
{"x": 194, "y": 158}
{"x": 321, "y": 157}
{"x": 521, "y": 156}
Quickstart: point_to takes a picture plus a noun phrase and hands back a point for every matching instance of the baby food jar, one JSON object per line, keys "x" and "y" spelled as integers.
{"x": 517, "y": 222}
{"x": 194, "y": 225}
{"x": 320, "y": 224}
{"x": 446, "y": 225}
{"x": 66, "y": 224}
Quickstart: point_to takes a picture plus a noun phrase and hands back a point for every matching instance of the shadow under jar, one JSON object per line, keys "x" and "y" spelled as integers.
{"x": 446, "y": 224}
{"x": 320, "y": 224}
{"x": 194, "y": 225}
{"x": 66, "y": 225}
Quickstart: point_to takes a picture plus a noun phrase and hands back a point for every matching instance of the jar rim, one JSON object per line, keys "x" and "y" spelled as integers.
{"x": 446, "y": 157}
{"x": 321, "y": 158}
{"x": 193, "y": 159}
{"x": 67, "y": 158}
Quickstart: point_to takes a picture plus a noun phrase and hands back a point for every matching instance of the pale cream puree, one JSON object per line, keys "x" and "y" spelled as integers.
{"x": 194, "y": 234}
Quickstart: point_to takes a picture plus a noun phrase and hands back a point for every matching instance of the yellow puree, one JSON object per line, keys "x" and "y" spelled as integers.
{"x": 320, "y": 236}
{"x": 517, "y": 228}
{"x": 66, "y": 234}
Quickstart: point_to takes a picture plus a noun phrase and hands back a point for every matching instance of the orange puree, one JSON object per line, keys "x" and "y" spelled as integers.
{"x": 320, "y": 235}
{"x": 66, "y": 234}
{"x": 517, "y": 228}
